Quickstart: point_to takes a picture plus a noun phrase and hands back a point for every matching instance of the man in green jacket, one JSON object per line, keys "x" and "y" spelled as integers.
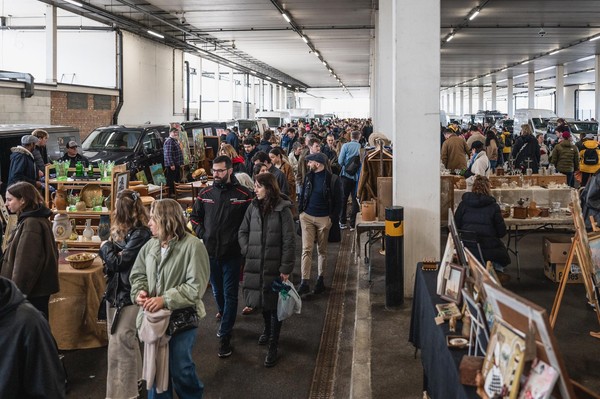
{"x": 566, "y": 158}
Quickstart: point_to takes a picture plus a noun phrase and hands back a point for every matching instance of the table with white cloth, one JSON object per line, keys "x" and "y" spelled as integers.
{"x": 544, "y": 197}
{"x": 74, "y": 309}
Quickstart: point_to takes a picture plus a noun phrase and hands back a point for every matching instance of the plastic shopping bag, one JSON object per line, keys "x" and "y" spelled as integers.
{"x": 288, "y": 302}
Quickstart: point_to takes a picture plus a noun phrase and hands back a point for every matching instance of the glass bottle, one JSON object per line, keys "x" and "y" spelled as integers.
{"x": 78, "y": 169}
{"x": 88, "y": 232}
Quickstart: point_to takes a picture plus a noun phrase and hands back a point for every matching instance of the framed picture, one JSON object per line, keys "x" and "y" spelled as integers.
{"x": 158, "y": 174}
{"x": 122, "y": 181}
{"x": 595, "y": 252}
{"x": 478, "y": 335}
{"x": 198, "y": 136}
{"x": 141, "y": 176}
{"x": 458, "y": 245}
{"x": 454, "y": 278}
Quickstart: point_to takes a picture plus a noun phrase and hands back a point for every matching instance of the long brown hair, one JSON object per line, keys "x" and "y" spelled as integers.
{"x": 129, "y": 213}
{"x": 481, "y": 185}
{"x": 32, "y": 199}
{"x": 168, "y": 216}
{"x": 269, "y": 182}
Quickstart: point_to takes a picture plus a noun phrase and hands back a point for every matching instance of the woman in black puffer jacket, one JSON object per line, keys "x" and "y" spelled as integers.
{"x": 267, "y": 240}
{"x": 129, "y": 233}
{"x": 478, "y": 212}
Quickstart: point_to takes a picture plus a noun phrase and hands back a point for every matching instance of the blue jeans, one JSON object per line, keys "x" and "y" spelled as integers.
{"x": 570, "y": 178}
{"x": 182, "y": 370}
{"x": 225, "y": 280}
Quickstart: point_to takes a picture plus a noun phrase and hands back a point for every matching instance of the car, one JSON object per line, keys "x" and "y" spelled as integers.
{"x": 136, "y": 146}
{"x": 10, "y": 136}
{"x": 577, "y": 128}
{"x": 488, "y": 117}
{"x": 501, "y": 124}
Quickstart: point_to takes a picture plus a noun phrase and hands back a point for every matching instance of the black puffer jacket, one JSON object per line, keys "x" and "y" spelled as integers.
{"x": 216, "y": 217}
{"x": 480, "y": 213}
{"x": 29, "y": 367}
{"x": 269, "y": 244}
{"x": 118, "y": 260}
{"x": 526, "y": 147}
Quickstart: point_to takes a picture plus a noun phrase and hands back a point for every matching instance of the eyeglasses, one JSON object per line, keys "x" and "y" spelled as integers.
{"x": 219, "y": 171}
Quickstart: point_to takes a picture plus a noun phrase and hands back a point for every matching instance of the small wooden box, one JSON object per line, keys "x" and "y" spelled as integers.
{"x": 469, "y": 366}
{"x": 519, "y": 212}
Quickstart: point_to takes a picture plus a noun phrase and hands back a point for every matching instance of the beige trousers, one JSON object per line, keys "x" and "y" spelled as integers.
{"x": 124, "y": 356}
{"x": 312, "y": 227}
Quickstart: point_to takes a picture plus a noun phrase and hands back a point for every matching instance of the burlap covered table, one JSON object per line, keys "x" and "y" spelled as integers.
{"x": 74, "y": 309}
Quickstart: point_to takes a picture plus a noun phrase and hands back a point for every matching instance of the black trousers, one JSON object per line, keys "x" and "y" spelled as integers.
{"x": 172, "y": 177}
{"x": 349, "y": 190}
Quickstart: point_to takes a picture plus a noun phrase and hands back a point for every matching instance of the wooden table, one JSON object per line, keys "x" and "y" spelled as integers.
{"x": 529, "y": 225}
{"x": 374, "y": 230}
{"x": 74, "y": 309}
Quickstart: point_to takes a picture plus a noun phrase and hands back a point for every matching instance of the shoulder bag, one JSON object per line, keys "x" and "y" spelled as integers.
{"x": 182, "y": 320}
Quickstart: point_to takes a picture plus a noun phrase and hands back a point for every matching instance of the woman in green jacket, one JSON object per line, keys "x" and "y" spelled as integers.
{"x": 171, "y": 271}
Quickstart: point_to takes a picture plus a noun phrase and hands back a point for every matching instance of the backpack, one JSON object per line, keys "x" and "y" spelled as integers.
{"x": 590, "y": 156}
{"x": 353, "y": 165}
{"x": 508, "y": 140}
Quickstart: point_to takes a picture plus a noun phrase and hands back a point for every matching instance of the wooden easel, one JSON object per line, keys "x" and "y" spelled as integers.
{"x": 580, "y": 247}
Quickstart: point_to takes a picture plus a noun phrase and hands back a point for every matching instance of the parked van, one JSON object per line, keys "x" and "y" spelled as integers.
{"x": 137, "y": 147}
{"x": 489, "y": 117}
{"x": 275, "y": 118}
{"x": 256, "y": 126}
{"x": 537, "y": 119}
{"x": 10, "y": 136}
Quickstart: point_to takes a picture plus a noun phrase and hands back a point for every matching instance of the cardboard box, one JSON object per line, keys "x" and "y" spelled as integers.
{"x": 554, "y": 271}
{"x": 556, "y": 249}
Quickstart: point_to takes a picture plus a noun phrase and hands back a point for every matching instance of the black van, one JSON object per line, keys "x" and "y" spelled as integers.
{"x": 137, "y": 147}
{"x": 10, "y": 136}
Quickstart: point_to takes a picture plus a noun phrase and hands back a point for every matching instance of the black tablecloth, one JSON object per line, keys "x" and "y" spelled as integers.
{"x": 440, "y": 364}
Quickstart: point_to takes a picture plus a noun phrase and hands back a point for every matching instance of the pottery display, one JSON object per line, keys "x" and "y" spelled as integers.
{"x": 61, "y": 227}
{"x": 80, "y": 206}
{"x": 89, "y": 192}
{"x": 88, "y": 232}
{"x": 59, "y": 198}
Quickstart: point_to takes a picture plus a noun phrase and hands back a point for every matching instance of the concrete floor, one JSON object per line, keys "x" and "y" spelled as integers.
{"x": 384, "y": 363}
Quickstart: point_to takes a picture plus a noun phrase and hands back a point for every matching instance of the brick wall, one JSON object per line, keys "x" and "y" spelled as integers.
{"x": 85, "y": 119}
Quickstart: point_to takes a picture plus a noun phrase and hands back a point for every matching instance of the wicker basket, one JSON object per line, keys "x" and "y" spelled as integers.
{"x": 77, "y": 262}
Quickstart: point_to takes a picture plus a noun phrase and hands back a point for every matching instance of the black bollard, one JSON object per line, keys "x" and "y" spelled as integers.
{"x": 394, "y": 256}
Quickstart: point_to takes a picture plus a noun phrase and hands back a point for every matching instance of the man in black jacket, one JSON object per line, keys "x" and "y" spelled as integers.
{"x": 249, "y": 151}
{"x": 263, "y": 157}
{"x": 216, "y": 218}
{"x": 29, "y": 365}
{"x": 320, "y": 204}
{"x": 22, "y": 163}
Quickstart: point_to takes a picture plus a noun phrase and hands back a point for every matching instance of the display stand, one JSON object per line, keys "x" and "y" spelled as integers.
{"x": 580, "y": 247}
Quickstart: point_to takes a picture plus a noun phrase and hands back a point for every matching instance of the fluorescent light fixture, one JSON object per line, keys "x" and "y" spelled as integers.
{"x": 317, "y": 54}
{"x": 305, "y": 39}
{"x": 525, "y": 62}
{"x": 155, "y": 34}
{"x": 545, "y": 69}
{"x": 324, "y": 63}
{"x": 330, "y": 70}
{"x": 565, "y": 75}
{"x": 231, "y": 63}
{"x": 75, "y": 3}
{"x": 554, "y": 52}
{"x": 520, "y": 76}
{"x": 289, "y": 85}
{"x": 268, "y": 77}
{"x": 286, "y": 17}
{"x": 279, "y": 81}
{"x": 475, "y": 13}
{"x": 595, "y": 38}
{"x": 504, "y": 70}
{"x": 502, "y": 80}
{"x": 253, "y": 72}
{"x": 450, "y": 37}
{"x": 591, "y": 57}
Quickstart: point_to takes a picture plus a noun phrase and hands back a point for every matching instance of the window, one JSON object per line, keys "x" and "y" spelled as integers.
{"x": 77, "y": 101}
{"x": 152, "y": 141}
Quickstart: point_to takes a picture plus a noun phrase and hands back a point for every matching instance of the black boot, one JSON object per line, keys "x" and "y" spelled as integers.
{"x": 271, "y": 359}
{"x": 320, "y": 286}
{"x": 266, "y": 334}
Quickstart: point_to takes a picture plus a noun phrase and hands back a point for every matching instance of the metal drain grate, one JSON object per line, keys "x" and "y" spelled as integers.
{"x": 322, "y": 383}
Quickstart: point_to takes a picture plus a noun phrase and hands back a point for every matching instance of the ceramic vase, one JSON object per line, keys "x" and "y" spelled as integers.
{"x": 88, "y": 232}
{"x": 61, "y": 228}
{"x": 104, "y": 227}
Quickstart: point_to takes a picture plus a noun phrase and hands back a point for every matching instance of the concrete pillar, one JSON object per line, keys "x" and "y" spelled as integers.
{"x": 261, "y": 94}
{"x": 447, "y": 105}
{"x": 531, "y": 90}
{"x": 385, "y": 49}
{"x": 509, "y": 97}
{"x": 218, "y": 93}
{"x": 421, "y": 202}
{"x": 597, "y": 86}
{"x": 560, "y": 90}
{"x": 454, "y": 101}
{"x": 471, "y": 100}
{"x": 494, "y": 88}
{"x": 51, "y": 44}
{"x": 231, "y": 94}
{"x": 480, "y": 106}
{"x": 461, "y": 109}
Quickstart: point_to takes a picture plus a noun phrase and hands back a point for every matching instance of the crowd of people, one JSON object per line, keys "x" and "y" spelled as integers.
{"x": 295, "y": 180}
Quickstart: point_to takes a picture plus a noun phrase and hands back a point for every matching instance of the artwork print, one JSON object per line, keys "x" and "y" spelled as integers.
{"x": 595, "y": 250}
{"x": 503, "y": 362}
{"x": 158, "y": 174}
{"x": 198, "y": 137}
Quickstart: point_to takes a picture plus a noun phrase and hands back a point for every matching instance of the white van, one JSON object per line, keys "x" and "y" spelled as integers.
{"x": 537, "y": 119}
{"x": 275, "y": 118}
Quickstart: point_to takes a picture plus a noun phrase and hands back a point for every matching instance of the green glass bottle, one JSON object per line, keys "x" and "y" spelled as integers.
{"x": 79, "y": 169}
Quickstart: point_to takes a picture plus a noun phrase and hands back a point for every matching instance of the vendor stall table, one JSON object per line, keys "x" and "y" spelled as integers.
{"x": 441, "y": 377}
{"x": 74, "y": 309}
{"x": 542, "y": 196}
{"x": 374, "y": 230}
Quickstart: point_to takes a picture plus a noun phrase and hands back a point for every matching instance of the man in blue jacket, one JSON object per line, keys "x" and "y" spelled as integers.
{"x": 349, "y": 180}
{"x": 22, "y": 163}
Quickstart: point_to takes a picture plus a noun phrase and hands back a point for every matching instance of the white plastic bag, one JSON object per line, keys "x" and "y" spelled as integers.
{"x": 288, "y": 302}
